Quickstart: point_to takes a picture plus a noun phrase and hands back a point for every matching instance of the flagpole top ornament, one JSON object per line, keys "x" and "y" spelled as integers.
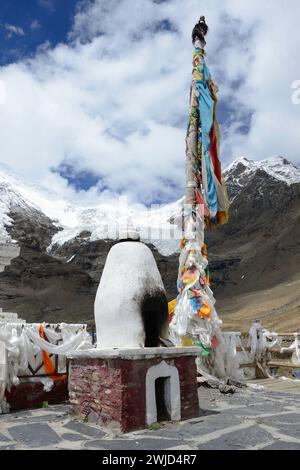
{"x": 200, "y": 30}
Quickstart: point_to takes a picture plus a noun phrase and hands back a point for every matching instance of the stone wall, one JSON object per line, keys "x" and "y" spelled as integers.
{"x": 29, "y": 395}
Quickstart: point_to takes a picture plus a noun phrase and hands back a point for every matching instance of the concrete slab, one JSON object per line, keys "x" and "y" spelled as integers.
{"x": 132, "y": 444}
{"x": 34, "y": 435}
{"x": 3, "y": 438}
{"x": 84, "y": 429}
{"x": 280, "y": 445}
{"x": 242, "y": 439}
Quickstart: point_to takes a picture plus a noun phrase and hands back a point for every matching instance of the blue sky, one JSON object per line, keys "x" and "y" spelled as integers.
{"x": 40, "y": 20}
{"x": 94, "y": 100}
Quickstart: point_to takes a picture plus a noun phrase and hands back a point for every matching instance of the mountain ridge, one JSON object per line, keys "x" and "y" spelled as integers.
{"x": 61, "y": 259}
{"x": 71, "y": 219}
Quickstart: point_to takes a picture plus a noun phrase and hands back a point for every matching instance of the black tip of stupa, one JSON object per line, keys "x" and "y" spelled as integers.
{"x": 200, "y": 30}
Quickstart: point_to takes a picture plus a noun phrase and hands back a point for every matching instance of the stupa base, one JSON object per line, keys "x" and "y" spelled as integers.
{"x": 130, "y": 389}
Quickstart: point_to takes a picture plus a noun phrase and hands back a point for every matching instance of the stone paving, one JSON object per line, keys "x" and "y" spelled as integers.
{"x": 247, "y": 419}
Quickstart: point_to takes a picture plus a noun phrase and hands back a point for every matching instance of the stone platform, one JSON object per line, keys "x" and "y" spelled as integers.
{"x": 251, "y": 420}
{"x": 129, "y": 389}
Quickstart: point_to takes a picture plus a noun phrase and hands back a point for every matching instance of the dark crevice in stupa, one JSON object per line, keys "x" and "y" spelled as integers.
{"x": 154, "y": 310}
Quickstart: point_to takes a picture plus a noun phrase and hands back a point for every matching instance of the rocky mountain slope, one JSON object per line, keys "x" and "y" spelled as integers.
{"x": 254, "y": 260}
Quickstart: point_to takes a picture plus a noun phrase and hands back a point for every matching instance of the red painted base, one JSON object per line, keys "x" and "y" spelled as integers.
{"x": 29, "y": 395}
{"x": 113, "y": 391}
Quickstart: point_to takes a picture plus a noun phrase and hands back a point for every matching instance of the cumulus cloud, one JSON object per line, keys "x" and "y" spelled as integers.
{"x": 113, "y": 100}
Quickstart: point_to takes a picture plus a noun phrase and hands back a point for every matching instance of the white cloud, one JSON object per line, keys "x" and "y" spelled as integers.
{"x": 2, "y": 92}
{"x": 35, "y": 25}
{"x": 49, "y": 5}
{"x": 296, "y": 92}
{"x": 115, "y": 98}
{"x": 13, "y": 30}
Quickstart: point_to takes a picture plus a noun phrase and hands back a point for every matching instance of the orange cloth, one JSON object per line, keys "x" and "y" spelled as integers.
{"x": 205, "y": 311}
{"x": 171, "y": 308}
{"x": 49, "y": 367}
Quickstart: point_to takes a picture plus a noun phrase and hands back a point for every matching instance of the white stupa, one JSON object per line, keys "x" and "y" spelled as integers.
{"x": 131, "y": 307}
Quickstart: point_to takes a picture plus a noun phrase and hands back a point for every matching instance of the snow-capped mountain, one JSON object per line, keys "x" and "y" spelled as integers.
{"x": 107, "y": 220}
{"x": 277, "y": 167}
{"x": 103, "y": 221}
{"x": 64, "y": 245}
{"x": 242, "y": 170}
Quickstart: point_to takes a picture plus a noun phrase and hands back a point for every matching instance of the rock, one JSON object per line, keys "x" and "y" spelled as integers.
{"x": 236, "y": 383}
{"x": 226, "y": 389}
